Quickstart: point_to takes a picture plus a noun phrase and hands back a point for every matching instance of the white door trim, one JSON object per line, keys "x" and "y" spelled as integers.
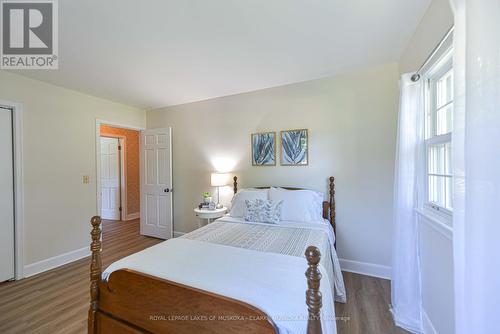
{"x": 122, "y": 141}
{"x": 17, "y": 119}
{"x": 98, "y": 123}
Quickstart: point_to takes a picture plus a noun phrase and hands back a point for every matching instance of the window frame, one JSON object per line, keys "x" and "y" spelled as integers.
{"x": 436, "y": 71}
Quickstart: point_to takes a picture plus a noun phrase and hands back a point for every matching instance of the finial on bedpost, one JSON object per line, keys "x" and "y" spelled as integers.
{"x": 313, "y": 295}
{"x": 235, "y": 184}
{"x": 95, "y": 271}
{"x": 332, "y": 207}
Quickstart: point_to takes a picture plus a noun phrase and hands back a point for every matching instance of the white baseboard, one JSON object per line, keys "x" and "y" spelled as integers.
{"x": 56, "y": 261}
{"x": 178, "y": 234}
{"x": 133, "y": 216}
{"x": 365, "y": 268}
{"x": 427, "y": 324}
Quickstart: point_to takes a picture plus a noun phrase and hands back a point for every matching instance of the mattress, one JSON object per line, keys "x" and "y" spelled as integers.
{"x": 260, "y": 264}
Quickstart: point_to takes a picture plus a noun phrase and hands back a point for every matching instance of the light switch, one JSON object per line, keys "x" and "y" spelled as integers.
{"x": 86, "y": 179}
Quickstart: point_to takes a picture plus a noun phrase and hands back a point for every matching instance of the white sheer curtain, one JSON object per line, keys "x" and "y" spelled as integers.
{"x": 405, "y": 285}
{"x": 476, "y": 161}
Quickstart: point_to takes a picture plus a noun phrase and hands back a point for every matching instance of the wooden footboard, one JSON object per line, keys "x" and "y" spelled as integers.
{"x": 133, "y": 302}
{"x": 160, "y": 306}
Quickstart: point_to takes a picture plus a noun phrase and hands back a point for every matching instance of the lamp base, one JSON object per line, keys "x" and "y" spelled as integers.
{"x": 218, "y": 206}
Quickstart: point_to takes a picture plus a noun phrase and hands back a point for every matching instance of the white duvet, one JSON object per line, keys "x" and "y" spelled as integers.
{"x": 274, "y": 283}
{"x": 321, "y": 225}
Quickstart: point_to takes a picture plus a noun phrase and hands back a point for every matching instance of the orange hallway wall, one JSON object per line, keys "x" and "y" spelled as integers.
{"x": 132, "y": 163}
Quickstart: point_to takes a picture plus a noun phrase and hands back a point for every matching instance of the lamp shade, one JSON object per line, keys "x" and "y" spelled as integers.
{"x": 219, "y": 179}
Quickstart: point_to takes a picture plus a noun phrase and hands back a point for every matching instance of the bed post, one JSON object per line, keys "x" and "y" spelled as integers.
{"x": 95, "y": 272}
{"x": 235, "y": 185}
{"x": 332, "y": 207}
{"x": 313, "y": 295}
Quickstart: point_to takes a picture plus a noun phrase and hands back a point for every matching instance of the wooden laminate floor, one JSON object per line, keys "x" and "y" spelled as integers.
{"x": 367, "y": 307}
{"x": 57, "y": 301}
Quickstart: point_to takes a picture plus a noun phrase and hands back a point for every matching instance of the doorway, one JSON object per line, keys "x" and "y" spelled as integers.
{"x": 147, "y": 190}
{"x": 7, "y": 223}
{"x": 118, "y": 182}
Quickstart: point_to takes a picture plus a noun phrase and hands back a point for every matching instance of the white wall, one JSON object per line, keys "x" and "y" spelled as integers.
{"x": 59, "y": 148}
{"x": 432, "y": 28}
{"x": 352, "y": 127}
{"x": 436, "y": 260}
{"x": 436, "y": 249}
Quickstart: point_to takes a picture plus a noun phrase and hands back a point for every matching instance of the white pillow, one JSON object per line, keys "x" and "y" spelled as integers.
{"x": 319, "y": 198}
{"x": 238, "y": 206}
{"x": 263, "y": 211}
{"x": 298, "y": 205}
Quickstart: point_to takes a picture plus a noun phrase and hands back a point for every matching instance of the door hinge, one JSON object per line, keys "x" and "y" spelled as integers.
{"x": 119, "y": 147}
{"x": 120, "y": 208}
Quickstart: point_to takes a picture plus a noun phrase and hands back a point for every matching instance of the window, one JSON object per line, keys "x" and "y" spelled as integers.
{"x": 438, "y": 131}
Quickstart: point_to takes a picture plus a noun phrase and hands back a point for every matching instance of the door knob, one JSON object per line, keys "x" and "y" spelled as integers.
{"x": 166, "y": 190}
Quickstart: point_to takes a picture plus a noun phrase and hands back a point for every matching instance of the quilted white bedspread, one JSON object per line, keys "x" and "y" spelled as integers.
{"x": 271, "y": 280}
{"x": 287, "y": 238}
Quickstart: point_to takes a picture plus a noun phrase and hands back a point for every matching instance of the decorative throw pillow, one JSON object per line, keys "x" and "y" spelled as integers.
{"x": 238, "y": 206}
{"x": 263, "y": 211}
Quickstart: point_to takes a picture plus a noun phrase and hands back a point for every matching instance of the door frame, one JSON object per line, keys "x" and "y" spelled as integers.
{"x": 17, "y": 128}
{"x": 122, "y": 142}
{"x": 98, "y": 123}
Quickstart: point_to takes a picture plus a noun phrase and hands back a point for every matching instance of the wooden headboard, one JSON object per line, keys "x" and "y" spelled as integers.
{"x": 328, "y": 206}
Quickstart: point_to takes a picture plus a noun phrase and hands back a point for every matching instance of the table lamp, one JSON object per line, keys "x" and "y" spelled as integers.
{"x": 219, "y": 180}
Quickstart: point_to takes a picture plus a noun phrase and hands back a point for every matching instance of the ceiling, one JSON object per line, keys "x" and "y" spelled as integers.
{"x": 162, "y": 52}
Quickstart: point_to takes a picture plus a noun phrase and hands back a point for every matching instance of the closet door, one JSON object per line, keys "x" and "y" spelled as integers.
{"x": 6, "y": 197}
{"x": 110, "y": 178}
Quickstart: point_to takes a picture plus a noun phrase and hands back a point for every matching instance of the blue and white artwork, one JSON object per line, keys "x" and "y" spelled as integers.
{"x": 294, "y": 147}
{"x": 264, "y": 149}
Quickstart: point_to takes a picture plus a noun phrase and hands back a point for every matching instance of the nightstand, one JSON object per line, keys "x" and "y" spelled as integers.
{"x": 210, "y": 215}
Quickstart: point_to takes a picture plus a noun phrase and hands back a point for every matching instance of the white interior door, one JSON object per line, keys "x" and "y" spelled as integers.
{"x": 6, "y": 197}
{"x": 110, "y": 178}
{"x": 156, "y": 183}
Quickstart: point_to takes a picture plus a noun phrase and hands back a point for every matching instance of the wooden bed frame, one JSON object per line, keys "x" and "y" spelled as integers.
{"x": 131, "y": 302}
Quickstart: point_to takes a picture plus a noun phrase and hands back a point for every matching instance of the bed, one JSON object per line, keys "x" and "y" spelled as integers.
{"x": 230, "y": 276}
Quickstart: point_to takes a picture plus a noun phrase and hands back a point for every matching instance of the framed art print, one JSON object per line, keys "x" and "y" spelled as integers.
{"x": 264, "y": 149}
{"x": 294, "y": 147}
